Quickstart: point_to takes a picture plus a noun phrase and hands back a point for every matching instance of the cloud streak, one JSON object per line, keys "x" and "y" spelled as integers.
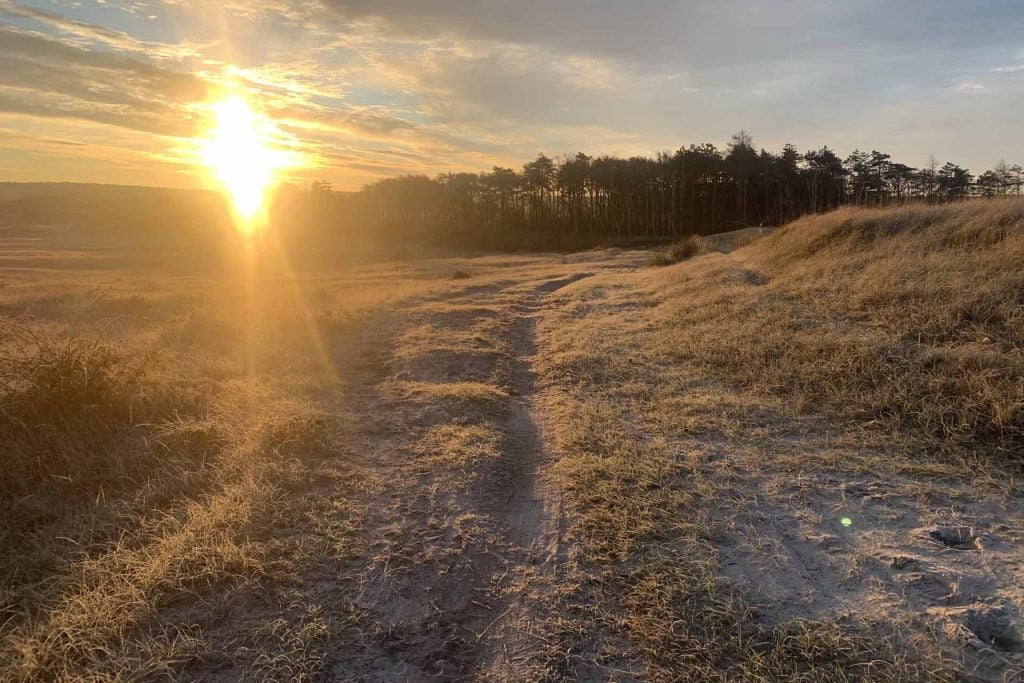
{"x": 391, "y": 86}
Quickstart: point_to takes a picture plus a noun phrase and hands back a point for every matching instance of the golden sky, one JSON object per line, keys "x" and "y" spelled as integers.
{"x": 106, "y": 91}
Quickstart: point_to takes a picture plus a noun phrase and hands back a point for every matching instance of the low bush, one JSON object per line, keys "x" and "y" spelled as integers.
{"x": 686, "y": 248}
{"x": 64, "y": 404}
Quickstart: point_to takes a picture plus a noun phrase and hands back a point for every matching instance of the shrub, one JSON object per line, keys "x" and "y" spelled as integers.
{"x": 63, "y": 404}
{"x": 685, "y": 248}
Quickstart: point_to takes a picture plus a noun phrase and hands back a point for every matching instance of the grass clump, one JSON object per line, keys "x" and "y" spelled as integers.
{"x": 63, "y": 405}
{"x": 138, "y": 494}
{"x": 684, "y": 249}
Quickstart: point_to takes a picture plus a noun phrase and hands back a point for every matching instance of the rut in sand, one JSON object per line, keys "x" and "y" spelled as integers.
{"x": 469, "y": 535}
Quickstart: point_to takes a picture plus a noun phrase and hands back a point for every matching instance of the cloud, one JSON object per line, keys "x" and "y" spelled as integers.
{"x": 69, "y": 26}
{"x": 47, "y": 78}
{"x": 59, "y": 54}
{"x": 460, "y": 83}
{"x": 382, "y": 86}
{"x": 84, "y": 34}
{"x": 696, "y": 33}
{"x": 967, "y": 87}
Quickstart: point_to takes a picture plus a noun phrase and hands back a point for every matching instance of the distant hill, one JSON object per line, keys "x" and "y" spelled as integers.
{"x": 45, "y": 209}
{"x": 93, "y": 191}
{"x": 115, "y": 214}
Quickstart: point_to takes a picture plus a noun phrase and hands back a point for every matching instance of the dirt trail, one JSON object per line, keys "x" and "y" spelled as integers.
{"x": 533, "y": 510}
{"x": 468, "y": 573}
{"x": 463, "y": 549}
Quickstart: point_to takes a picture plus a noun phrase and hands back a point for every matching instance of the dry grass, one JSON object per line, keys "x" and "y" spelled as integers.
{"x": 337, "y": 474}
{"x": 686, "y": 248}
{"x": 647, "y": 515}
{"x": 160, "y": 481}
{"x": 732, "y": 240}
{"x": 68, "y": 412}
{"x": 908, "y": 317}
{"x": 713, "y": 417}
{"x": 197, "y": 465}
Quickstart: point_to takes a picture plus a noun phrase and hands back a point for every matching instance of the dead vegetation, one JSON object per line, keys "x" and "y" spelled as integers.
{"x": 734, "y": 239}
{"x": 910, "y": 318}
{"x": 789, "y": 457}
{"x": 652, "y": 512}
{"x": 681, "y": 250}
{"x": 68, "y": 410}
{"x": 756, "y": 446}
{"x": 154, "y": 489}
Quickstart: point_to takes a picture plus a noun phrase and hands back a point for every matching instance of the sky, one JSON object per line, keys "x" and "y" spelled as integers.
{"x": 107, "y": 91}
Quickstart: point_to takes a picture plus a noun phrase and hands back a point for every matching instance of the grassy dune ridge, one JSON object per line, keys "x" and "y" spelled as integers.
{"x": 719, "y": 419}
{"x": 910, "y": 318}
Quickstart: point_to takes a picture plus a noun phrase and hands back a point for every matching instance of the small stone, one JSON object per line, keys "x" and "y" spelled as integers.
{"x": 903, "y": 561}
{"x": 996, "y": 627}
{"x": 960, "y": 537}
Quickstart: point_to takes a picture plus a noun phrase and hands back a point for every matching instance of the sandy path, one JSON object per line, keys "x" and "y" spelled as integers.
{"x": 533, "y": 509}
{"x": 534, "y": 506}
{"x": 461, "y": 555}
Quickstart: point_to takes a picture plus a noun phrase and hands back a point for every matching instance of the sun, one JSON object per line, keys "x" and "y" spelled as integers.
{"x": 239, "y": 152}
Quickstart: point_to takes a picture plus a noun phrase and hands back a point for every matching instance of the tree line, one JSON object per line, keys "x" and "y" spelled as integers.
{"x": 698, "y": 189}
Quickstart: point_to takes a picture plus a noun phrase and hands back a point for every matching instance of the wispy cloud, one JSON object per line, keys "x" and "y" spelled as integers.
{"x": 967, "y": 87}
{"x": 392, "y": 86}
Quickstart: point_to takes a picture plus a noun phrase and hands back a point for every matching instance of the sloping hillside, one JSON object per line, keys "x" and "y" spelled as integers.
{"x": 909, "y": 318}
{"x": 799, "y": 459}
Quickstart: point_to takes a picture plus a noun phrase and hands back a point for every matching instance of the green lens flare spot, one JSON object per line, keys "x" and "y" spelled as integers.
{"x": 846, "y": 521}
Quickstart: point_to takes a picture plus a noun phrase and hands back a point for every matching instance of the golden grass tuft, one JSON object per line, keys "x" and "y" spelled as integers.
{"x": 66, "y": 403}
{"x": 686, "y": 248}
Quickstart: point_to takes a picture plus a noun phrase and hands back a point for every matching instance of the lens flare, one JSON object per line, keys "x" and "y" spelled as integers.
{"x": 240, "y": 154}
